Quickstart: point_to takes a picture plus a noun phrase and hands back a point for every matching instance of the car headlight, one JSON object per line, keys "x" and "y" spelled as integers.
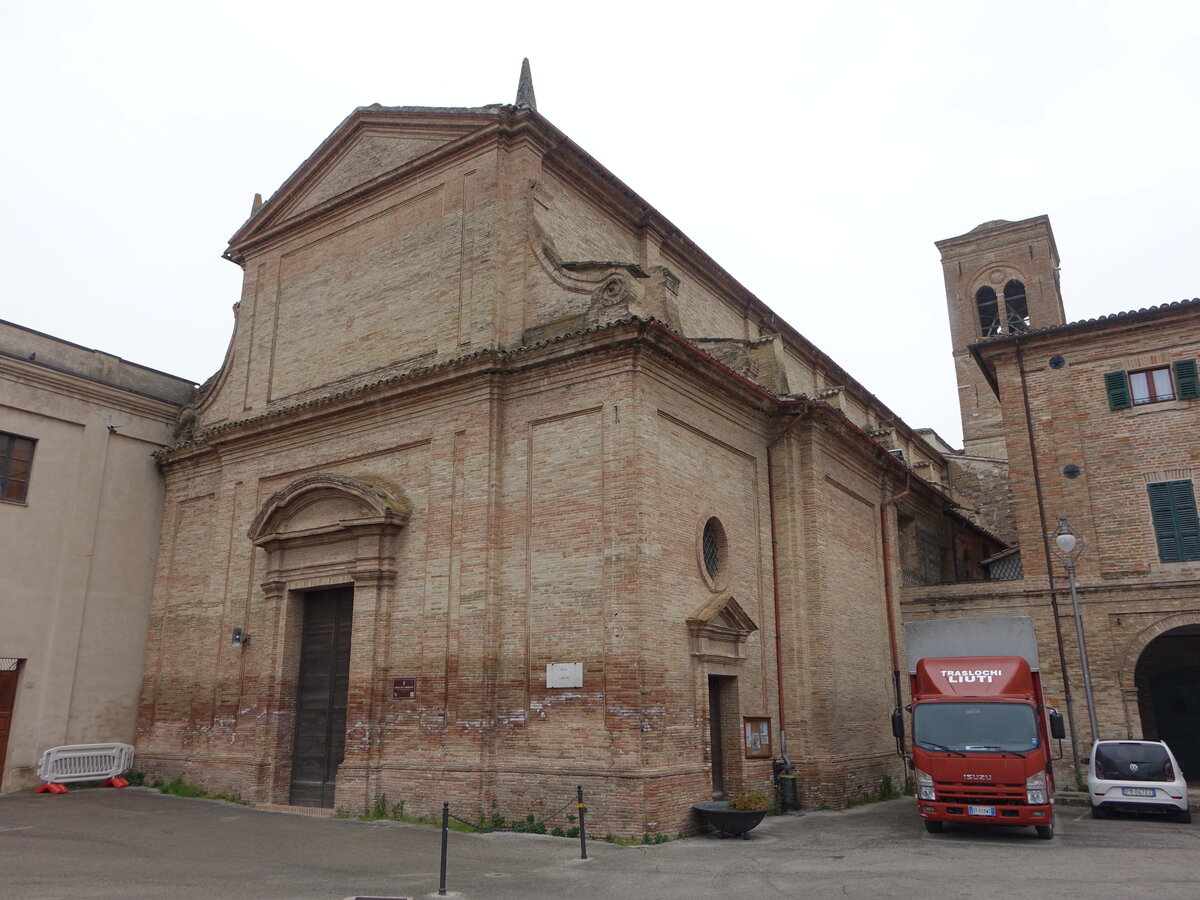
{"x": 1035, "y": 789}
{"x": 925, "y": 789}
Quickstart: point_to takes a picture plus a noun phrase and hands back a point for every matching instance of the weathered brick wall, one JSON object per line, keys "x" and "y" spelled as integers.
{"x": 983, "y": 487}
{"x": 1117, "y": 452}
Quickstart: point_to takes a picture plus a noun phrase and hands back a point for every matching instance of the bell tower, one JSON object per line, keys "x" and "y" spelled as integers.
{"x": 1001, "y": 278}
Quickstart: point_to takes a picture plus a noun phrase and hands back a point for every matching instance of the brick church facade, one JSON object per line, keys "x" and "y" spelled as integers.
{"x": 505, "y": 474}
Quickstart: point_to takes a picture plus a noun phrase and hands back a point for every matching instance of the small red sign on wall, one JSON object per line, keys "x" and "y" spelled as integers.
{"x": 404, "y": 688}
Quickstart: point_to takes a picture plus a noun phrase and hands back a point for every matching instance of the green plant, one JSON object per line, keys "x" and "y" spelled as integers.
{"x": 1080, "y": 784}
{"x": 750, "y": 800}
{"x": 529, "y": 826}
{"x": 381, "y": 810}
{"x": 135, "y": 778}
{"x": 177, "y": 787}
{"x": 887, "y": 790}
{"x": 340, "y": 813}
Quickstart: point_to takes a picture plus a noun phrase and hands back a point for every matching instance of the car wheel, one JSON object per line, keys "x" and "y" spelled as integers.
{"x": 1184, "y": 816}
{"x": 934, "y": 827}
{"x": 1099, "y": 812}
{"x": 1045, "y": 832}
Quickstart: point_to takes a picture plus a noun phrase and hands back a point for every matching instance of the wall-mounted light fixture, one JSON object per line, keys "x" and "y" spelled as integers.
{"x": 238, "y": 638}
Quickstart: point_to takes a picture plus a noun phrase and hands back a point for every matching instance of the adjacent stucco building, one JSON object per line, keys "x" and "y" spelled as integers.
{"x": 80, "y": 503}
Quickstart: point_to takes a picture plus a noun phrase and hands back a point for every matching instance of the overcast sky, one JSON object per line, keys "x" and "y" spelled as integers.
{"x": 815, "y": 150}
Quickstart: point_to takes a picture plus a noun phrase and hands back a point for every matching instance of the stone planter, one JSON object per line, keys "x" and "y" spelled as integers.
{"x": 729, "y": 821}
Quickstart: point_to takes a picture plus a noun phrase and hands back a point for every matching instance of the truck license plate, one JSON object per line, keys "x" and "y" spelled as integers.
{"x": 1137, "y": 792}
{"x": 981, "y": 810}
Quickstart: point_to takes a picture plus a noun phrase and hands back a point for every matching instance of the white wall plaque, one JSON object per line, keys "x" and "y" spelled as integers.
{"x": 564, "y": 675}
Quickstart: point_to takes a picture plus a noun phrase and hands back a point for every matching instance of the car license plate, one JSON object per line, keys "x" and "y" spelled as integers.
{"x": 1137, "y": 792}
{"x": 981, "y": 810}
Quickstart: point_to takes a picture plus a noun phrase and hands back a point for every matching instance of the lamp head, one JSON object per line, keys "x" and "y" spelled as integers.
{"x": 1065, "y": 541}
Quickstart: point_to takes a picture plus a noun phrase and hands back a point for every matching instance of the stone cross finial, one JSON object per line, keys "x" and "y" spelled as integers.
{"x": 525, "y": 97}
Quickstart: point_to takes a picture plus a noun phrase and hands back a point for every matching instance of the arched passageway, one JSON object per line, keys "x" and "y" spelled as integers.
{"x": 1168, "y": 684}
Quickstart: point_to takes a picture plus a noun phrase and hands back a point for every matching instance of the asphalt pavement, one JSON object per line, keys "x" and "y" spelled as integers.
{"x": 137, "y": 843}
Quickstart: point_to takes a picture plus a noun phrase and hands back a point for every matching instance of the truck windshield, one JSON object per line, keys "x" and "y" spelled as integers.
{"x": 975, "y": 727}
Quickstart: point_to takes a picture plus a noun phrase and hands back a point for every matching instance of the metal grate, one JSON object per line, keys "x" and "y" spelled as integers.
{"x": 712, "y": 549}
{"x": 1007, "y": 568}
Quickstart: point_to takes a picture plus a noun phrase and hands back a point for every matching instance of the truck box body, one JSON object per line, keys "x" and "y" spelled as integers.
{"x": 980, "y": 747}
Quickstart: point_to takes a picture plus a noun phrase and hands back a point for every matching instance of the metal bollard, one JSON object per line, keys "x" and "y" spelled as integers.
{"x": 582, "y": 822}
{"x": 445, "y": 834}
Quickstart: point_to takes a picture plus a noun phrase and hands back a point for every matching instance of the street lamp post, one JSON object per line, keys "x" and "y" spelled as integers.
{"x": 1067, "y": 546}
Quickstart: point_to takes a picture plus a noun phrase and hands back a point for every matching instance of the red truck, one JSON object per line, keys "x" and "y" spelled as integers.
{"x": 980, "y": 747}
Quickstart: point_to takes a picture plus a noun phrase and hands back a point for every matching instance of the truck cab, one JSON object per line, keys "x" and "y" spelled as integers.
{"x": 980, "y": 742}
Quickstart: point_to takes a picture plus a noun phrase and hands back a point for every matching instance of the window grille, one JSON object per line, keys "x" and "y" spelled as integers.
{"x": 712, "y": 548}
{"x": 1006, "y": 567}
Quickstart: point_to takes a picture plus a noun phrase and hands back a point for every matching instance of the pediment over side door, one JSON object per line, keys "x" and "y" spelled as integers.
{"x": 719, "y": 630}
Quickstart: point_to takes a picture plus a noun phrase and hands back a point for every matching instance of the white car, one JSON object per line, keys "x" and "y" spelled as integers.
{"x": 1136, "y": 776}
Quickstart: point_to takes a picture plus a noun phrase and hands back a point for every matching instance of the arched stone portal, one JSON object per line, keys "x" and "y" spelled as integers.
{"x": 1166, "y": 676}
{"x": 330, "y": 543}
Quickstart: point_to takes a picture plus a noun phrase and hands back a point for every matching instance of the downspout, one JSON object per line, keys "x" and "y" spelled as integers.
{"x": 887, "y": 594}
{"x": 1041, "y": 505}
{"x": 783, "y": 751}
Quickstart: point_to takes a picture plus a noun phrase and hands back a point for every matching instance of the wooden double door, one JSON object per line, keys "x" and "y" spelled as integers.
{"x": 320, "y": 741}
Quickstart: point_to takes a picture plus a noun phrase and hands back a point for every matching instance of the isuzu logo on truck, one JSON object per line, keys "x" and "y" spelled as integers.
{"x": 971, "y": 676}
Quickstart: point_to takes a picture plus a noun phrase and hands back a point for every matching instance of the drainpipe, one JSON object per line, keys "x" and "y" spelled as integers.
{"x": 887, "y": 594}
{"x": 783, "y": 751}
{"x": 1041, "y": 505}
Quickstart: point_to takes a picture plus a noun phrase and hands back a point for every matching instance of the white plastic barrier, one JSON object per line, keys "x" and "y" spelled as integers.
{"x": 84, "y": 762}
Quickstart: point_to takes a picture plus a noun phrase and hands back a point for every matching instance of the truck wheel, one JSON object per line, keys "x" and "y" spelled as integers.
{"x": 1184, "y": 816}
{"x": 1099, "y": 812}
{"x": 1045, "y": 832}
{"x": 933, "y": 827}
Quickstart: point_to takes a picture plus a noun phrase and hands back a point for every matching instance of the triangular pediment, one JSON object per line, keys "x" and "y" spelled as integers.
{"x": 723, "y": 611}
{"x": 719, "y": 630}
{"x": 372, "y": 144}
{"x": 374, "y": 152}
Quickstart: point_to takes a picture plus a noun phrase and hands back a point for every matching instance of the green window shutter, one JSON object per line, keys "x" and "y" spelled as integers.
{"x": 1187, "y": 523}
{"x": 1117, "y": 386}
{"x": 1176, "y": 524}
{"x": 1187, "y": 382}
